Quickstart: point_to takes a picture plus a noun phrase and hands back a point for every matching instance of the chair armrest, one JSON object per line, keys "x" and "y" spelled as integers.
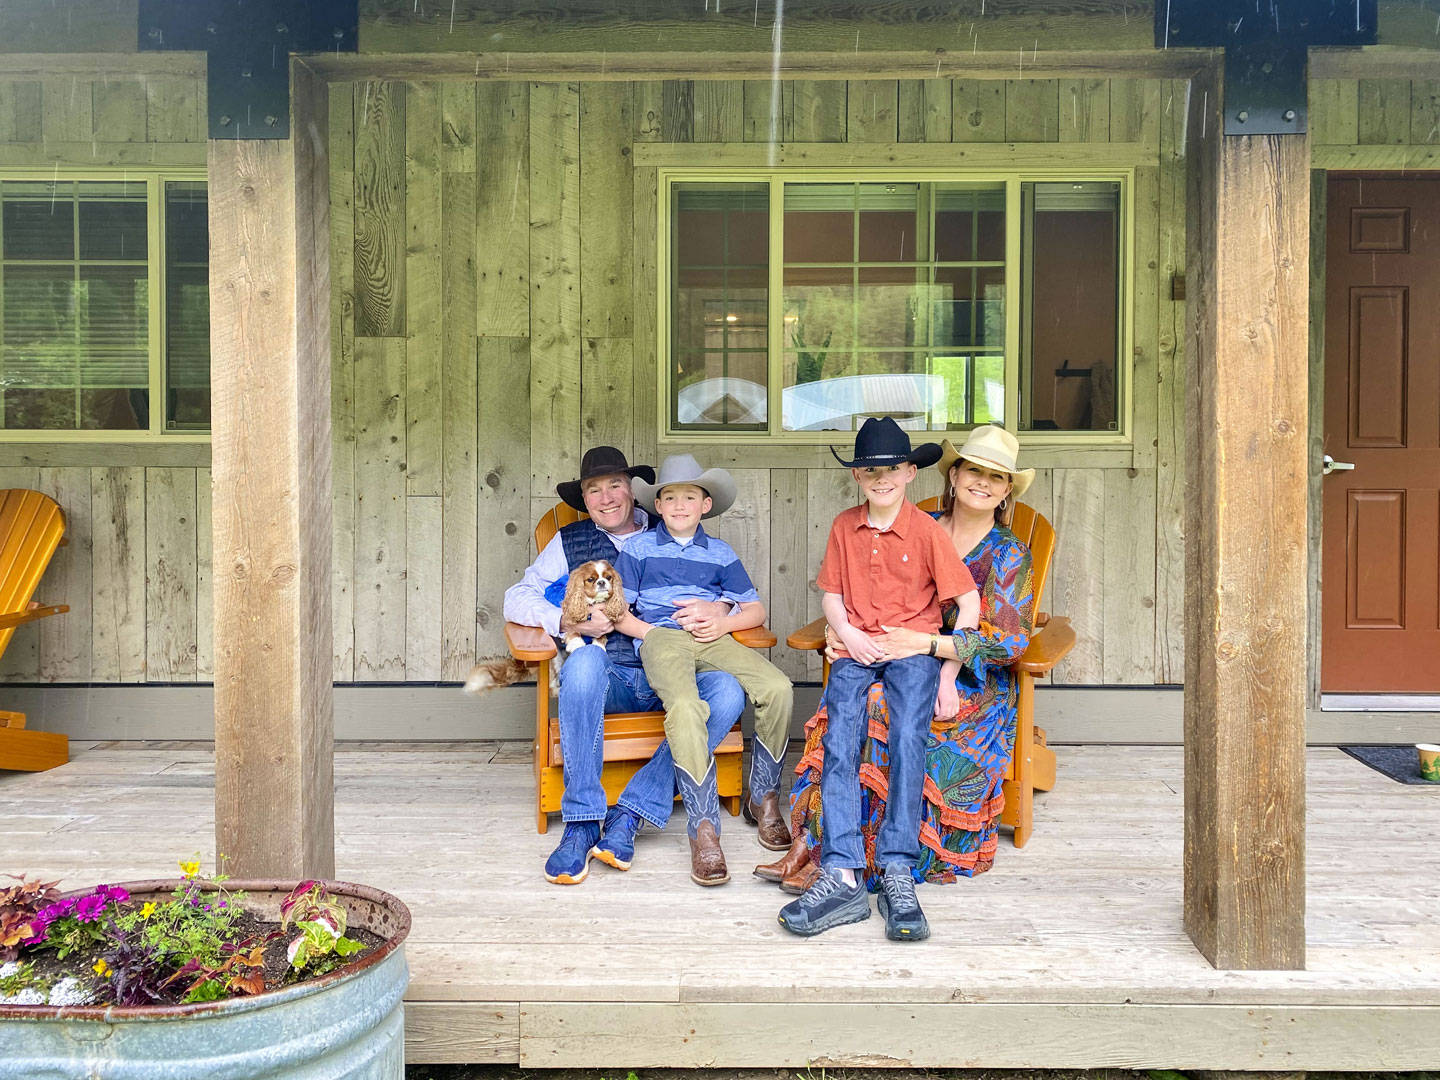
{"x": 20, "y": 618}
{"x": 757, "y": 637}
{"x": 809, "y": 637}
{"x": 529, "y": 644}
{"x": 1048, "y": 646}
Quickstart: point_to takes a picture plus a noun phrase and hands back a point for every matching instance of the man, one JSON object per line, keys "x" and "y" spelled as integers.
{"x": 594, "y": 682}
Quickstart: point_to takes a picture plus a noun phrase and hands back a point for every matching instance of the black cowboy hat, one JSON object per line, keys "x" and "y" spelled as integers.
{"x": 881, "y": 441}
{"x": 600, "y": 461}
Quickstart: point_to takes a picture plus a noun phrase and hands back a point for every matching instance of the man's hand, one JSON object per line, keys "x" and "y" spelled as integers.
{"x": 860, "y": 645}
{"x": 701, "y": 619}
{"x": 899, "y": 642}
{"x": 595, "y": 624}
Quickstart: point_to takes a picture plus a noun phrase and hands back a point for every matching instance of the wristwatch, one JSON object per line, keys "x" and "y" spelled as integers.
{"x": 934, "y": 644}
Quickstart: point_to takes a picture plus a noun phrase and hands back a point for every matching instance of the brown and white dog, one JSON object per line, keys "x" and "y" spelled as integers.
{"x": 592, "y": 585}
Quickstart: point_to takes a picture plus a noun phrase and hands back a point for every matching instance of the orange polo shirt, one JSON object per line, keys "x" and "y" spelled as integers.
{"x": 896, "y": 576}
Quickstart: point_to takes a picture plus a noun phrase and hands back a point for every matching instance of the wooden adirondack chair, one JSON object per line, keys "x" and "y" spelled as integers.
{"x": 32, "y": 526}
{"x": 1032, "y": 768}
{"x": 630, "y": 738}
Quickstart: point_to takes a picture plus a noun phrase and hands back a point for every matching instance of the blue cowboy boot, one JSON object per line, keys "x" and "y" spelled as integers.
{"x": 762, "y": 804}
{"x": 702, "y": 821}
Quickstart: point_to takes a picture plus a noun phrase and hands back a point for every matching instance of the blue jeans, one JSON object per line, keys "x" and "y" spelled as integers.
{"x": 910, "y": 688}
{"x": 590, "y": 686}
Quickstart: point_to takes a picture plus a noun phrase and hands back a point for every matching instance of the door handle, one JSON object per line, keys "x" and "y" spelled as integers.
{"x": 1330, "y": 465}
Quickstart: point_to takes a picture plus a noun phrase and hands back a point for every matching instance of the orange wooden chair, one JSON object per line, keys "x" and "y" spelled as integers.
{"x": 630, "y": 738}
{"x": 32, "y": 526}
{"x": 1032, "y": 768}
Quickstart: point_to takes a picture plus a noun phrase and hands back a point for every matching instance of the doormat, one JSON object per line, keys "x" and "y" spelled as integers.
{"x": 1400, "y": 763}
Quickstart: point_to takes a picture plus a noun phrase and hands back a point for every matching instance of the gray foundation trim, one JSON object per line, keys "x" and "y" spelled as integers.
{"x": 1069, "y": 714}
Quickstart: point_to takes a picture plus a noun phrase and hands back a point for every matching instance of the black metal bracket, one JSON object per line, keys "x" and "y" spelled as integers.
{"x": 1266, "y": 45}
{"x": 1265, "y": 90}
{"x": 248, "y": 45}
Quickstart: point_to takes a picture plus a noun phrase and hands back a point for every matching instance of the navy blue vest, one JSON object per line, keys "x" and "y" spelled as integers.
{"x": 583, "y": 543}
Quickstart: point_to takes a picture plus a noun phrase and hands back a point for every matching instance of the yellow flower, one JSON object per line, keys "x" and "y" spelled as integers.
{"x": 190, "y": 869}
{"x": 147, "y": 910}
{"x": 101, "y": 968}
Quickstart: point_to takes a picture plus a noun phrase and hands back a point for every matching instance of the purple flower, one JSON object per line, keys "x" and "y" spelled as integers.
{"x": 89, "y": 908}
{"x": 222, "y": 903}
{"x": 207, "y": 907}
{"x": 113, "y": 894}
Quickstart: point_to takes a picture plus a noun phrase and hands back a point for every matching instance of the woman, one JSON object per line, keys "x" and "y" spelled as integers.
{"x": 973, "y": 734}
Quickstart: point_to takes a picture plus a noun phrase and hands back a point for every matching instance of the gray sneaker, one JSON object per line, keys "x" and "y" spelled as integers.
{"x": 827, "y": 903}
{"x": 904, "y": 921}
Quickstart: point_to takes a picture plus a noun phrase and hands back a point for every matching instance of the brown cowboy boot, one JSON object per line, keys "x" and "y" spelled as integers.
{"x": 774, "y": 833}
{"x": 794, "y": 860}
{"x": 707, "y": 861}
{"x": 802, "y": 879}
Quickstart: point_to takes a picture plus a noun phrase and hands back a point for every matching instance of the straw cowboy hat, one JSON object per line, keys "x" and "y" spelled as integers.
{"x": 993, "y": 448}
{"x": 684, "y": 469}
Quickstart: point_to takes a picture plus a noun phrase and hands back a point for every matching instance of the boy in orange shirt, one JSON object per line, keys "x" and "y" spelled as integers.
{"x": 887, "y": 564}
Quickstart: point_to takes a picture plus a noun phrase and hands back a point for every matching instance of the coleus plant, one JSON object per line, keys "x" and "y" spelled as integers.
{"x": 321, "y": 920}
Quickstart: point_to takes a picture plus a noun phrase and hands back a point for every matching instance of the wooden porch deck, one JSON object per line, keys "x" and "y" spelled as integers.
{"x": 1068, "y": 953}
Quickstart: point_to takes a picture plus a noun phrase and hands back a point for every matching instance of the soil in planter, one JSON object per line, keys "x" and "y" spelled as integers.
{"x": 50, "y": 969}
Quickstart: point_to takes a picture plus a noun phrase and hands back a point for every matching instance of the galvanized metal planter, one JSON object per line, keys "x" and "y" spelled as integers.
{"x": 348, "y": 1025}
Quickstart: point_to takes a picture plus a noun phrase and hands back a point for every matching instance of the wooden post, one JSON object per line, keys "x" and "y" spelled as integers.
{"x": 270, "y": 387}
{"x": 1245, "y": 540}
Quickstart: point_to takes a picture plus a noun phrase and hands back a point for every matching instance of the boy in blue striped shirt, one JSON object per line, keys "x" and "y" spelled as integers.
{"x": 675, "y": 565}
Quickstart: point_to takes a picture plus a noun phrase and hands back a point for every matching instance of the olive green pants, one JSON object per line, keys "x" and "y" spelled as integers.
{"x": 671, "y": 659}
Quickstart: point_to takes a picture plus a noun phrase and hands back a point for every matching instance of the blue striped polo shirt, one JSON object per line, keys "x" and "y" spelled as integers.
{"x": 656, "y": 570}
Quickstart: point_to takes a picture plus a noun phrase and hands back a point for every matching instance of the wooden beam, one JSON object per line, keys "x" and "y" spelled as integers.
{"x": 112, "y": 66}
{"x": 270, "y": 387}
{"x": 905, "y": 155}
{"x": 1388, "y": 158}
{"x": 520, "y": 26}
{"x": 1245, "y": 547}
{"x": 631, "y": 65}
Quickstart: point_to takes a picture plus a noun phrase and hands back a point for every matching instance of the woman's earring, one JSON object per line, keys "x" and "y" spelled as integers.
{"x": 1003, "y": 503}
{"x": 952, "y": 491}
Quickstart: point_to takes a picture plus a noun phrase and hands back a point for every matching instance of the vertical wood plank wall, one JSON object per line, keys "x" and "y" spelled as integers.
{"x": 493, "y": 282}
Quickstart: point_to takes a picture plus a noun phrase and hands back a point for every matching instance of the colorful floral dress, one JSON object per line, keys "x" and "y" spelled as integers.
{"x": 966, "y": 758}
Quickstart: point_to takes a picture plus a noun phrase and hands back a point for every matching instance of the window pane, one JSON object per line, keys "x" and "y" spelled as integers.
{"x": 892, "y": 307}
{"x": 187, "y": 306}
{"x": 1074, "y": 265}
{"x": 112, "y": 221}
{"x": 48, "y": 410}
{"x": 888, "y": 222}
{"x": 969, "y": 223}
{"x": 38, "y": 220}
{"x": 112, "y": 310}
{"x": 722, "y": 390}
{"x": 877, "y": 383}
{"x": 719, "y": 308}
{"x": 123, "y": 408}
{"x": 819, "y": 223}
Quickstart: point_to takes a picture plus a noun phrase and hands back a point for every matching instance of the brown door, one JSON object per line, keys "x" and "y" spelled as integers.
{"x": 1381, "y": 542}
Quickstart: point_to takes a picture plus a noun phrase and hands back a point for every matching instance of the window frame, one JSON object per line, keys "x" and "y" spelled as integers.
{"x": 1015, "y": 288}
{"x": 154, "y": 177}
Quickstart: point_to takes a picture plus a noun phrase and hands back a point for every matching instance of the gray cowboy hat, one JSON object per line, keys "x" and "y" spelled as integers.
{"x": 684, "y": 469}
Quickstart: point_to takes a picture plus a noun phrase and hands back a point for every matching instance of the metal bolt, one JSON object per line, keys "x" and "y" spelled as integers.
{"x": 1242, "y": 116}
{"x": 337, "y": 33}
{"x": 281, "y": 28}
{"x": 155, "y": 33}
{"x": 1174, "y": 31}
{"x": 1267, "y": 67}
{"x": 245, "y": 72}
{"x": 210, "y": 26}
{"x": 1289, "y": 115}
{"x": 224, "y": 121}
{"x": 271, "y": 120}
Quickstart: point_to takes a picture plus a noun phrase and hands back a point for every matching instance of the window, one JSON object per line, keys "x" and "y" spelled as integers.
{"x": 943, "y": 303}
{"x": 104, "y": 307}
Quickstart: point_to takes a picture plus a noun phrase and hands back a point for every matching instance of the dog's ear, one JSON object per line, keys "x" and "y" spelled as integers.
{"x": 615, "y": 606}
{"x": 572, "y": 609}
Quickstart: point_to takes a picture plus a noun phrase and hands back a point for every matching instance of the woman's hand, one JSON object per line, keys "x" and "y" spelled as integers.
{"x": 860, "y": 646}
{"x": 898, "y": 642}
{"x": 947, "y": 701}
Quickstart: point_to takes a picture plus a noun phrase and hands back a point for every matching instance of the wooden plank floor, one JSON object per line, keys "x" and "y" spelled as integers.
{"x": 1068, "y": 953}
